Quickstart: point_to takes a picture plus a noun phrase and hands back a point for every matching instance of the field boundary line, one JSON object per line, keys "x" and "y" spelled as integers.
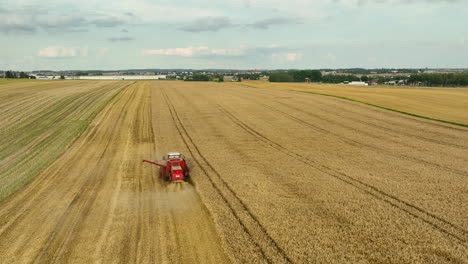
{"x": 385, "y": 108}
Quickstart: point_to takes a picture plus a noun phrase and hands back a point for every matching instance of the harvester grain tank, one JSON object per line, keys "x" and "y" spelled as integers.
{"x": 173, "y": 167}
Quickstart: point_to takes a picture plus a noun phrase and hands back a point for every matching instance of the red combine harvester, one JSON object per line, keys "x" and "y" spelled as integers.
{"x": 173, "y": 168}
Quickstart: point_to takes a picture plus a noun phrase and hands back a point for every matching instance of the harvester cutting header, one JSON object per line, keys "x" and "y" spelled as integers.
{"x": 173, "y": 167}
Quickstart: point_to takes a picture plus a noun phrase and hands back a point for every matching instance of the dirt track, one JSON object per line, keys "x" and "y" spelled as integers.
{"x": 285, "y": 176}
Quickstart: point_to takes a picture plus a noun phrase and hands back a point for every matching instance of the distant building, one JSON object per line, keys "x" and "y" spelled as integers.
{"x": 358, "y": 84}
{"x": 231, "y": 79}
{"x": 328, "y": 73}
{"x": 123, "y": 77}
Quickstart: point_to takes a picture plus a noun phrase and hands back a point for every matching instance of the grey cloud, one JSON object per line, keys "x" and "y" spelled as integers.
{"x": 120, "y": 39}
{"x": 218, "y": 23}
{"x": 266, "y": 23}
{"x": 124, "y": 30}
{"x": 258, "y": 52}
{"x": 208, "y": 24}
{"x": 17, "y": 28}
{"x": 32, "y": 19}
{"x": 365, "y": 2}
{"x": 107, "y": 22}
{"x": 64, "y": 24}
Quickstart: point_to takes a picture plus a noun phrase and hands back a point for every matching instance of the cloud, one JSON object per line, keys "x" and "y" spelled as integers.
{"x": 187, "y": 52}
{"x": 120, "y": 39}
{"x": 124, "y": 30}
{"x": 16, "y": 28}
{"x": 208, "y": 24}
{"x": 365, "y": 2}
{"x": 293, "y": 56}
{"x": 31, "y": 19}
{"x": 57, "y": 51}
{"x": 219, "y": 23}
{"x": 240, "y": 53}
{"x": 63, "y": 24}
{"x": 62, "y": 52}
{"x": 266, "y": 23}
{"x": 107, "y": 21}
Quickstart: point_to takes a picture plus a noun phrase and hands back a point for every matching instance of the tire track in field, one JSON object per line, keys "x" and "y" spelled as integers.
{"x": 365, "y": 105}
{"x": 379, "y": 126}
{"x": 436, "y": 222}
{"x": 249, "y": 221}
{"x": 47, "y": 181}
{"x": 351, "y": 141}
{"x": 67, "y": 225}
{"x": 386, "y": 113}
{"x": 354, "y": 142}
{"x": 443, "y": 143}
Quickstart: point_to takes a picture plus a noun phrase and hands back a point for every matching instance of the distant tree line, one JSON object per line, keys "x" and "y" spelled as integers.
{"x": 198, "y": 78}
{"x": 81, "y": 74}
{"x": 361, "y": 71}
{"x": 296, "y": 76}
{"x": 281, "y": 77}
{"x": 254, "y": 76}
{"x": 340, "y": 78}
{"x": 13, "y": 75}
{"x": 440, "y": 79}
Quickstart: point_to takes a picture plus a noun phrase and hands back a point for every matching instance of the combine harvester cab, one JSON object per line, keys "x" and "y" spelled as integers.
{"x": 173, "y": 168}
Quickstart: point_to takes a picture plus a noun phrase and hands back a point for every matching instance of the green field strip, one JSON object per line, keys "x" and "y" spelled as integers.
{"x": 386, "y": 108}
{"x": 63, "y": 134}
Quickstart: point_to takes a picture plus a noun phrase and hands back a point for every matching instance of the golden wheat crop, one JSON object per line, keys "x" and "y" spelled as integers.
{"x": 278, "y": 176}
{"x": 440, "y": 103}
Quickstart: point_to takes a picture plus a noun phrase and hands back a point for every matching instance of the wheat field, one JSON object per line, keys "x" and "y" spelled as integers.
{"x": 277, "y": 176}
{"x": 447, "y": 104}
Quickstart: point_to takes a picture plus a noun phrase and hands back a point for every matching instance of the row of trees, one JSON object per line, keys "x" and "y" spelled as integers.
{"x": 296, "y": 76}
{"x": 440, "y": 79}
{"x": 340, "y": 78}
{"x": 206, "y": 78}
{"x": 13, "y": 75}
{"x": 198, "y": 78}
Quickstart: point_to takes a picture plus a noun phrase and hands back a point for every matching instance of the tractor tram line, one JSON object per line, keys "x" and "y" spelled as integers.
{"x": 354, "y": 142}
{"x": 436, "y": 222}
{"x": 193, "y": 149}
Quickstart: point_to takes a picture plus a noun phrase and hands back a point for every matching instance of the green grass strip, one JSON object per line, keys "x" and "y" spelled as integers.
{"x": 386, "y": 108}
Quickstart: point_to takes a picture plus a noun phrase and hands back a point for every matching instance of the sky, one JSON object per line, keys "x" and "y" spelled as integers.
{"x": 232, "y": 34}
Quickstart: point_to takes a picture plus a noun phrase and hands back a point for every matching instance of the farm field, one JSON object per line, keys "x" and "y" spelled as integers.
{"x": 6, "y": 81}
{"x": 39, "y": 119}
{"x": 440, "y": 103}
{"x": 277, "y": 177}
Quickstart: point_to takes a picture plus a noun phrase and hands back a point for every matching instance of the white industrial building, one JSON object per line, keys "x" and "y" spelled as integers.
{"x": 358, "y": 84}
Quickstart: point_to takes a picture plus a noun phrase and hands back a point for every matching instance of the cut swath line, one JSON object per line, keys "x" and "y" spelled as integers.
{"x": 193, "y": 149}
{"x": 437, "y": 222}
{"x": 386, "y": 108}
